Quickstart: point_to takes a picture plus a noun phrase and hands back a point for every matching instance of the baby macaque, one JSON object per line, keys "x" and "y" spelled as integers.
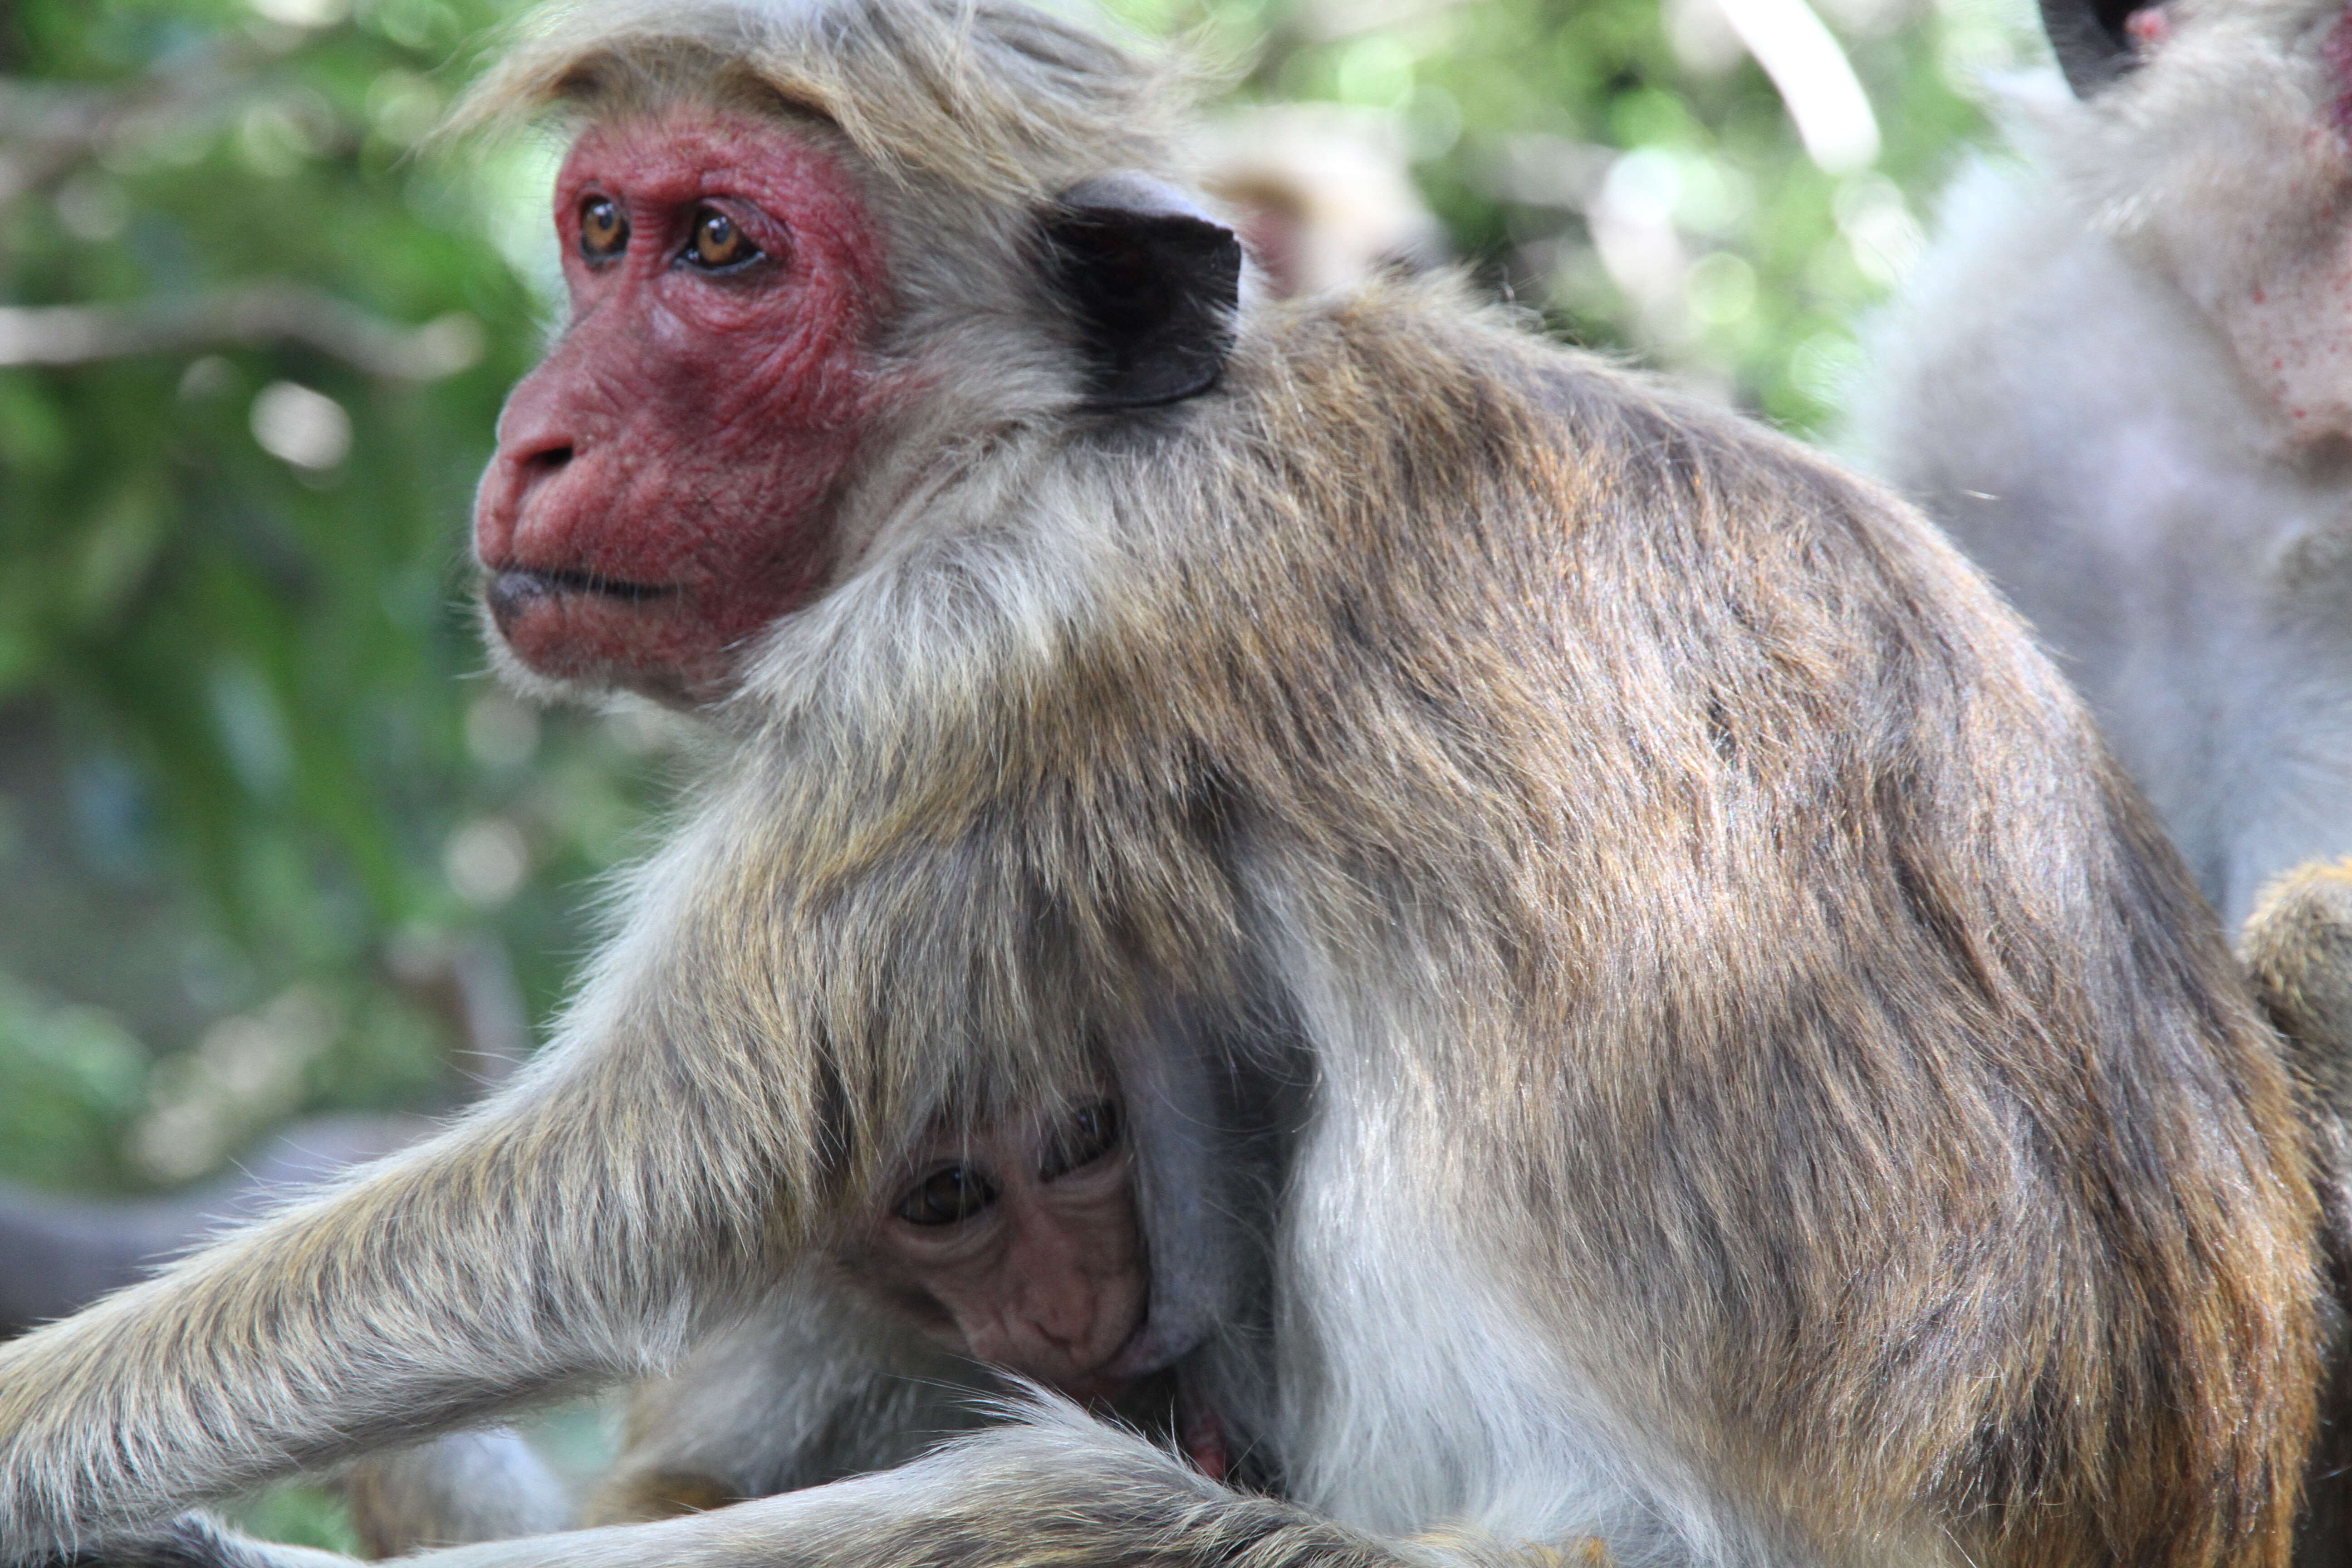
{"x": 1011, "y": 1246}
{"x": 1018, "y": 1247}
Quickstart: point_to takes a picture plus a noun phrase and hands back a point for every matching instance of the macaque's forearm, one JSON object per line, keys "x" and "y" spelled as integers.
{"x": 1062, "y": 1489}
{"x": 486, "y": 1265}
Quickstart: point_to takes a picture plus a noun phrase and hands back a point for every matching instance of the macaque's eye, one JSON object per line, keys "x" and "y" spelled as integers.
{"x": 603, "y": 228}
{"x": 947, "y": 1197}
{"x": 1089, "y": 1135}
{"x": 715, "y": 244}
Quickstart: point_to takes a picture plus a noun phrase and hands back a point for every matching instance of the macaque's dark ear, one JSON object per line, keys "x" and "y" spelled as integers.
{"x": 1152, "y": 282}
{"x": 2092, "y": 44}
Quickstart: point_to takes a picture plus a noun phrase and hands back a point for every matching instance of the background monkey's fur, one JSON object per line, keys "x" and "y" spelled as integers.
{"x": 1769, "y": 1093}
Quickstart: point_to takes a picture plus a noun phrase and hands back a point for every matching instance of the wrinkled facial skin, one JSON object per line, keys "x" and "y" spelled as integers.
{"x": 664, "y": 481}
{"x": 1018, "y": 1247}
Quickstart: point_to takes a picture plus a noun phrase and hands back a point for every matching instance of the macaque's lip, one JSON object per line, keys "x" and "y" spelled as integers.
{"x": 510, "y": 590}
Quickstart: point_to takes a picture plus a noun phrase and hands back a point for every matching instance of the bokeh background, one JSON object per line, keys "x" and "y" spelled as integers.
{"x": 271, "y": 842}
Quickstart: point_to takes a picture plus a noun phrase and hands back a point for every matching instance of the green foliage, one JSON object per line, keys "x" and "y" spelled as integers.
{"x": 72, "y": 1078}
{"x": 243, "y": 698}
{"x": 301, "y": 1514}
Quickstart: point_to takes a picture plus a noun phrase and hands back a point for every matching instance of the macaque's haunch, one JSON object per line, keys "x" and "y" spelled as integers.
{"x": 1645, "y": 1019}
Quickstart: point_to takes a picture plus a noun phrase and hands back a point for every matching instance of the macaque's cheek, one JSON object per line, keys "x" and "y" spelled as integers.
{"x": 2272, "y": 269}
{"x": 688, "y": 560}
{"x": 654, "y": 555}
{"x": 2252, "y": 221}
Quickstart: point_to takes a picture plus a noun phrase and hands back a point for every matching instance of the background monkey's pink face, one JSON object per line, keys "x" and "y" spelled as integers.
{"x": 664, "y": 481}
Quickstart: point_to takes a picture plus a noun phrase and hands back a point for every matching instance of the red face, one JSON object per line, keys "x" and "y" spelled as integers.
{"x": 664, "y": 481}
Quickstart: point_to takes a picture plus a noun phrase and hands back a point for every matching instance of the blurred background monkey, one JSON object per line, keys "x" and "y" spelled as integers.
{"x": 1321, "y": 195}
{"x": 1642, "y": 1017}
{"x": 2122, "y": 379}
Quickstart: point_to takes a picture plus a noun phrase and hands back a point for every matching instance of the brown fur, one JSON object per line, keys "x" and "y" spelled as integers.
{"x": 2298, "y": 945}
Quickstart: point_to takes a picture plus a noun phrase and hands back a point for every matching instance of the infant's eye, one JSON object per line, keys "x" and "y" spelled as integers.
{"x": 1089, "y": 1135}
{"x": 603, "y": 228}
{"x": 946, "y": 1197}
{"x": 715, "y": 244}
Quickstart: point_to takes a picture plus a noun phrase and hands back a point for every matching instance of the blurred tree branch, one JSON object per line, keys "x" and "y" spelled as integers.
{"x": 253, "y": 316}
{"x": 46, "y": 129}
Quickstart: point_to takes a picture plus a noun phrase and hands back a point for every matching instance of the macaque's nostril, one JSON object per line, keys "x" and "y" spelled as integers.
{"x": 553, "y": 459}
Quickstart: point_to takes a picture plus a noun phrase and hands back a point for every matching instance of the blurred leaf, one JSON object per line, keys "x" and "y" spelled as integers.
{"x": 301, "y": 1514}
{"x": 70, "y": 1082}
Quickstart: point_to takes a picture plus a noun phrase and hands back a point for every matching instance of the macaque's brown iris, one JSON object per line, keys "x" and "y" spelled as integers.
{"x": 603, "y": 231}
{"x": 717, "y": 244}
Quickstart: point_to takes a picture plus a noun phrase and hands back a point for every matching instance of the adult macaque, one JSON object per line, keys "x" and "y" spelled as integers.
{"x": 1645, "y": 1020}
{"x": 2123, "y": 380}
